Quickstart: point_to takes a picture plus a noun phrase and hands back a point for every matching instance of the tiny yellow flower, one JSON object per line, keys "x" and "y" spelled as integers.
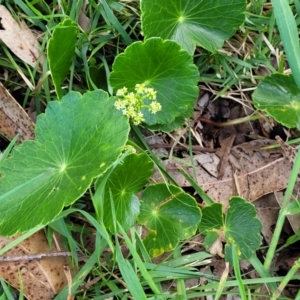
{"x": 131, "y": 112}
{"x": 131, "y": 103}
{"x": 138, "y": 119}
{"x": 151, "y": 93}
{"x": 154, "y": 107}
{"x": 131, "y": 97}
{"x": 119, "y": 104}
{"x": 140, "y": 88}
{"x": 121, "y": 92}
{"x": 129, "y": 148}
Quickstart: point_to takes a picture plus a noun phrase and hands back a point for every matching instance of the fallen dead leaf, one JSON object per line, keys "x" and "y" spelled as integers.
{"x": 267, "y": 211}
{"x": 41, "y": 279}
{"x": 217, "y": 248}
{"x": 83, "y": 21}
{"x": 223, "y": 154}
{"x": 13, "y": 119}
{"x": 19, "y": 39}
{"x": 251, "y": 173}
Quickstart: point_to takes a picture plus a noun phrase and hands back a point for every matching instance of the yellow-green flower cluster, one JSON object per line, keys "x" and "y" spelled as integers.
{"x": 132, "y": 103}
{"x": 130, "y": 149}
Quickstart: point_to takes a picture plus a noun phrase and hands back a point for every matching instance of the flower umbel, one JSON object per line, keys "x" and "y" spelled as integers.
{"x": 131, "y": 103}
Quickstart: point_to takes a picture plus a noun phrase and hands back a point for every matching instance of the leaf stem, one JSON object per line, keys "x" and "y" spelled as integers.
{"x": 237, "y": 273}
{"x": 286, "y": 280}
{"x": 232, "y": 122}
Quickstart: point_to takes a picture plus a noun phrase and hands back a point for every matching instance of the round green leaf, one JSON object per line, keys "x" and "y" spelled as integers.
{"x": 170, "y": 215}
{"x": 61, "y": 49}
{"x": 242, "y": 228}
{"x": 77, "y": 139}
{"x": 164, "y": 66}
{"x": 127, "y": 179}
{"x": 205, "y": 22}
{"x": 279, "y": 96}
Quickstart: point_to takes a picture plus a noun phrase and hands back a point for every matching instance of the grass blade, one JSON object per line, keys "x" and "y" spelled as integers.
{"x": 289, "y": 35}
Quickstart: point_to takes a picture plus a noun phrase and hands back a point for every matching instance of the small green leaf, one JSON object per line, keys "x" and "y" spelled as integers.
{"x": 170, "y": 215}
{"x": 77, "y": 139}
{"x": 239, "y": 227}
{"x": 279, "y": 96}
{"x": 61, "y": 49}
{"x": 211, "y": 224}
{"x": 212, "y": 218}
{"x": 293, "y": 208}
{"x": 205, "y": 22}
{"x": 127, "y": 179}
{"x": 161, "y": 65}
{"x": 242, "y": 228}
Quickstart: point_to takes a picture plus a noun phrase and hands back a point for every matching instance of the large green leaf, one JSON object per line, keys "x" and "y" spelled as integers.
{"x": 164, "y": 66}
{"x": 279, "y": 96}
{"x": 127, "y": 179}
{"x": 61, "y": 49}
{"x": 170, "y": 215}
{"x": 205, "y": 22}
{"x": 76, "y": 140}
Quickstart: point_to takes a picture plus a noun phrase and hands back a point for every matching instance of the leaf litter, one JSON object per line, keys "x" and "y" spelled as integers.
{"x": 250, "y": 172}
{"x": 20, "y": 39}
{"x": 41, "y": 279}
{"x": 260, "y": 175}
{"x": 13, "y": 118}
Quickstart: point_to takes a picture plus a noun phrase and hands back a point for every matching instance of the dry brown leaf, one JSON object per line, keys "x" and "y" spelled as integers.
{"x": 223, "y": 154}
{"x": 83, "y": 21}
{"x": 216, "y": 248}
{"x": 251, "y": 171}
{"x": 267, "y": 211}
{"x": 41, "y": 279}
{"x": 13, "y": 119}
{"x": 19, "y": 38}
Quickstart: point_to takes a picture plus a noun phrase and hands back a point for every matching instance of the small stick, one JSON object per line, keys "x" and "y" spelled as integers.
{"x": 33, "y": 256}
{"x": 178, "y": 147}
{"x": 231, "y": 122}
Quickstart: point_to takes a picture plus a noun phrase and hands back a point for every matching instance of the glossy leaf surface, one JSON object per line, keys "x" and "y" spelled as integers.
{"x": 207, "y": 23}
{"x": 77, "y": 139}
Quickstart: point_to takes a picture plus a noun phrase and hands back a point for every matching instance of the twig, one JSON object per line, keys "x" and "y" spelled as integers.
{"x": 178, "y": 147}
{"x": 33, "y": 256}
{"x": 231, "y": 122}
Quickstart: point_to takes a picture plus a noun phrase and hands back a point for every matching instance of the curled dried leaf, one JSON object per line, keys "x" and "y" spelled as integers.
{"x": 19, "y": 39}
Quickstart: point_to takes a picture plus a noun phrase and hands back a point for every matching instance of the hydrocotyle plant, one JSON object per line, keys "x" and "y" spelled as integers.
{"x": 81, "y": 139}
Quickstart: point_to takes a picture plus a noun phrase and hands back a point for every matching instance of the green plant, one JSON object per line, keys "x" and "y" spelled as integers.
{"x": 73, "y": 151}
{"x": 82, "y": 140}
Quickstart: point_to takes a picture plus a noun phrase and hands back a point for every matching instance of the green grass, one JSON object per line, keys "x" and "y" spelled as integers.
{"x": 109, "y": 270}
